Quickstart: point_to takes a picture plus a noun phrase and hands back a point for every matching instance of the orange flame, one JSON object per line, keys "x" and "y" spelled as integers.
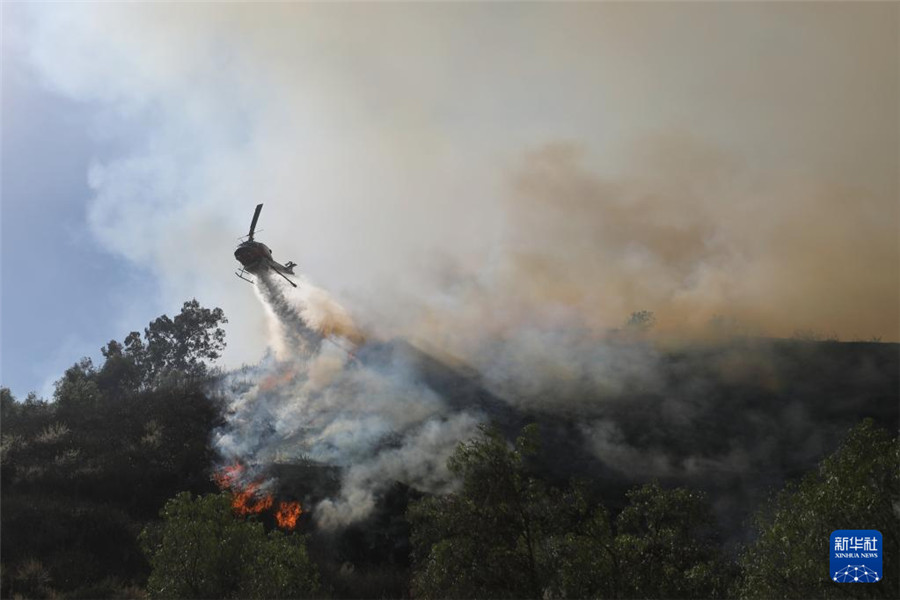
{"x": 227, "y": 477}
{"x": 287, "y": 514}
{"x": 249, "y": 502}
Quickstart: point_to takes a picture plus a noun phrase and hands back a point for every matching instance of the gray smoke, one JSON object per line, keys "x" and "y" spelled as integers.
{"x": 316, "y": 401}
{"x": 693, "y": 159}
{"x": 736, "y": 415}
{"x": 508, "y": 207}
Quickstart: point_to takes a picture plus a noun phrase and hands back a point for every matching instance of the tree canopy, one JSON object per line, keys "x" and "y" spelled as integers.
{"x": 506, "y": 534}
{"x": 202, "y": 550}
{"x": 124, "y": 448}
{"x": 81, "y": 474}
{"x": 857, "y": 487}
{"x": 171, "y": 350}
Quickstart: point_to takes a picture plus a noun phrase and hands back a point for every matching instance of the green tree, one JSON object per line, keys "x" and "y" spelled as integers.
{"x": 857, "y": 487}
{"x": 662, "y": 545}
{"x": 583, "y": 555}
{"x": 201, "y": 550}
{"x": 81, "y": 475}
{"x": 8, "y": 408}
{"x": 505, "y": 534}
{"x": 667, "y": 546}
{"x": 172, "y": 351}
{"x": 76, "y": 391}
{"x": 486, "y": 540}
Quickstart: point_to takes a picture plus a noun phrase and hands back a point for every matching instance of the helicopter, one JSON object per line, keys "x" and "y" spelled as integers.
{"x": 255, "y": 257}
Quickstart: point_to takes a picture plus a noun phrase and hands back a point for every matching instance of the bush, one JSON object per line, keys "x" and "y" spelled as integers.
{"x": 201, "y": 550}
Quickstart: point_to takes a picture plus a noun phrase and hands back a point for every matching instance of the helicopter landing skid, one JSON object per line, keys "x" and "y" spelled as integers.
{"x": 240, "y": 275}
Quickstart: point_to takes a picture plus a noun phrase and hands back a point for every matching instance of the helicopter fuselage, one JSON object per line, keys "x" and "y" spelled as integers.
{"x": 256, "y": 257}
{"x": 253, "y": 256}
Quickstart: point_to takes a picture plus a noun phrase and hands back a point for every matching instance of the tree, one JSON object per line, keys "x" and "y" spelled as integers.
{"x": 857, "y": 487}
{"x": 663, "y": 545}
{"x": 81, "y": 475}
{"x": 583, "y": 554}
{"x": 505, "y": 534}
{"x": 640, "y": 321}
{"x": 77, "y": 390}
{"x": 667, "y": 546}
{"x": 486, "y": 540}
{"x": 8, "y": 407}
{"x": 172, "y": 351}
{"x": 201, "y": 550}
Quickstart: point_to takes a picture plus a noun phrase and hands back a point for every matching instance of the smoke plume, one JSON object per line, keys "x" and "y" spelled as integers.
{"x": 502, "y": 184}
{"x": 699, "y": 161}
{"x": 735, "y": 415}
{"x": 376, "y": 420}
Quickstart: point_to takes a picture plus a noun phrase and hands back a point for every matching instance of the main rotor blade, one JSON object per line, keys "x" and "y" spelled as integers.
{"x": 255, "y": 218}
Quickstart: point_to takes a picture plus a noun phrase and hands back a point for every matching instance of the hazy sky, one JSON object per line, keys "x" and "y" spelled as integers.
{"x": 448, "y": 171}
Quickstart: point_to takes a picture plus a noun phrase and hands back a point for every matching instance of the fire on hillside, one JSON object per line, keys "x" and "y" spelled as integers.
{"x": 251, "y": 499}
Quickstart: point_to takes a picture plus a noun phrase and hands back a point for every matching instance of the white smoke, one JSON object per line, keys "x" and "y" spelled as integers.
{"x": 316, "y": 401}
{"x": 452, "y": 172}
{"x": 505, "y": 181}
{"x": 420, "y": 461}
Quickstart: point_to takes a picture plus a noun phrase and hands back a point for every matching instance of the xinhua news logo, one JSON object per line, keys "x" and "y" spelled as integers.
{"x": 856, "y": 556}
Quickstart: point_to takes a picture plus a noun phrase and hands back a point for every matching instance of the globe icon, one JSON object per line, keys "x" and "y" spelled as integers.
{"x": 855, "y": 574}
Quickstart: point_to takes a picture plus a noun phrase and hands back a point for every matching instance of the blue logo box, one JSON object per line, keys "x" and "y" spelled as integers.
{"x": 856, "y": 556}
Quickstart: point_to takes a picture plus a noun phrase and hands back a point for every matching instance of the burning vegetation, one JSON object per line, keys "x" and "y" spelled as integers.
{"x": 251, "y": 501}
{"x": 377, "y": 523}
{"x": 251, "y": 498}
{"x": 228, "y": 477}
{"x": 287, "y": 514}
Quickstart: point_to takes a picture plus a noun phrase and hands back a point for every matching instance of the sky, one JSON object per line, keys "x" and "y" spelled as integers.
{"x": 448, "y": 172}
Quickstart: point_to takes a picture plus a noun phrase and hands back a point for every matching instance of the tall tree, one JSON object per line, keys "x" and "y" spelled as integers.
{"x": 485, "y": 540}
{"x": 201, "y": 550}
{"x": 857, "y": 487}
{"x": 668, "y": 547}
{"x": 171, "y": 351}
{"x": 81, "y": 474}
{"x": 505, "y": 534}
